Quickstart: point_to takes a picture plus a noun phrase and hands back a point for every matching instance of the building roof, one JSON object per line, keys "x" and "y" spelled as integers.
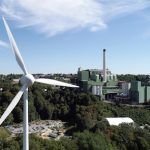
{"x": 119, "y": 120}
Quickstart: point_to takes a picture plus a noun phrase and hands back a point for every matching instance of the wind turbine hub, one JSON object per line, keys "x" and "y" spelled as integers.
{"x": 27, "y": 79}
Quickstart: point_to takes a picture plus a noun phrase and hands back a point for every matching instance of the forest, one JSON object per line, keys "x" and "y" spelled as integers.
{"x": 84, "y": 114}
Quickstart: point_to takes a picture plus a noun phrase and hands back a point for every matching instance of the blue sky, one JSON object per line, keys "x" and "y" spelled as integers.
{"x": 59, "y": 36}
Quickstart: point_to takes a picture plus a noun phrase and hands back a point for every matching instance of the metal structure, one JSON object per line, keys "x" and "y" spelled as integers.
{"x": 139, "y": 93}
{"x": 26, "y": 81}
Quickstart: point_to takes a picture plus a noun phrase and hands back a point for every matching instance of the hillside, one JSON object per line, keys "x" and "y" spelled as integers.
{"x": 84, "y": 114}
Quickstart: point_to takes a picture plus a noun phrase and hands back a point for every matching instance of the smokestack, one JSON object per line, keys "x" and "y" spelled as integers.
{"x": 104, "y": 66}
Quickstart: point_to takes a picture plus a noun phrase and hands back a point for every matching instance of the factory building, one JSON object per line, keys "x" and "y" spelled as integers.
{"x": 139, "y": 93}
{"x": 125, "y": 86}
{"x": 99, "y": 82}
{"x": 124, "y": 94}
{"x": 105, "y": 84}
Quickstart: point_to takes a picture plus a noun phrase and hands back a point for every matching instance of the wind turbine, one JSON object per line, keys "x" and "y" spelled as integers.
{"x": 26, "y": 80}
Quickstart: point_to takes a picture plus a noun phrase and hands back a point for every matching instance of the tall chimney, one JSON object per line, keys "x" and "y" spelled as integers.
{"x": 104, "y": 66}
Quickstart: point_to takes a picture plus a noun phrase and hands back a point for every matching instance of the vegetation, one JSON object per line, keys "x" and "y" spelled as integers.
{"x": 129, "y": 77}
{"x": 83, "y": 111}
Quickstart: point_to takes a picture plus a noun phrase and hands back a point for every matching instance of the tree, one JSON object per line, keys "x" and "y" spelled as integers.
{"x": 91, "y": 141}
{"x": 143, "y": 144}
{"x": 7, "y": 97}
{"x": 18, "y": 115}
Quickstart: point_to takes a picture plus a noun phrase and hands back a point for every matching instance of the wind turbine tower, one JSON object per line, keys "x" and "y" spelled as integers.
{"x": 26, "y": 80}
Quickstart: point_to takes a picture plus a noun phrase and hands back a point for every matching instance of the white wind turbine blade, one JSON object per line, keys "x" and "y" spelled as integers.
{"x": 55, "y": 82}
{"x": 12, "y": 105}
{"x": 15, "y": 48}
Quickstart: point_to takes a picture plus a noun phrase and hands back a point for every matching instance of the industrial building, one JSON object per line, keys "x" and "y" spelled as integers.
{"x": 99, "y": 82}
{"x": 103, "y": 83}
{"x": 139, "y": 93}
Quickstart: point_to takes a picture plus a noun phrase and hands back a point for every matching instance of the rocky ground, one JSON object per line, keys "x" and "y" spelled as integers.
{"x": 46, "y": 129}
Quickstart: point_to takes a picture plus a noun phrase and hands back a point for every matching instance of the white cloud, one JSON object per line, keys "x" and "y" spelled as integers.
{"x": 3, "y": 44}
{"x": 117, "y": 8}
{"x": 55, "y": 16}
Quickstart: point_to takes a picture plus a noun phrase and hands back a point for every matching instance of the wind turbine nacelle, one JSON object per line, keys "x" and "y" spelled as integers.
{"x": 27, "y": 80}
